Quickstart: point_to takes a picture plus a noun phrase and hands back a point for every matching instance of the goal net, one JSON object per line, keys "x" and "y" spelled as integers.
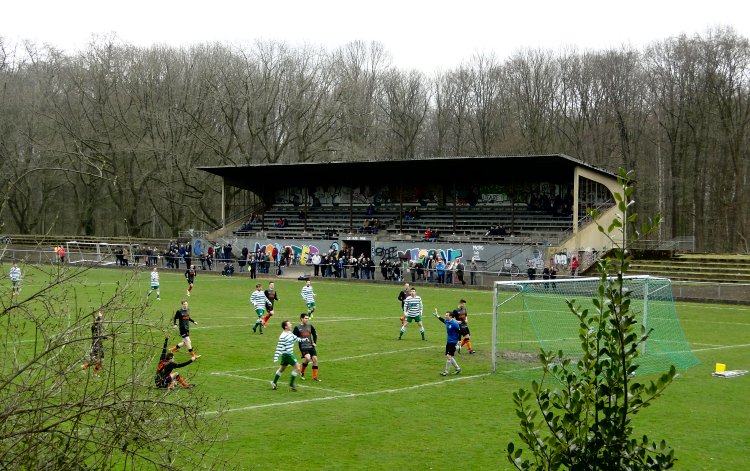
{"x": 530, "y": 316}
{"x": 98, "y": 253}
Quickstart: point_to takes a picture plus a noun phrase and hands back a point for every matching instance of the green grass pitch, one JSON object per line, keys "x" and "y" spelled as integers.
{"x": 382, "y": 403}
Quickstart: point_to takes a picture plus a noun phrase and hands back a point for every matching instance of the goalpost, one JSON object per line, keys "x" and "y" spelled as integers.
{"x": 98, "y": 253}
{"x": 533, "y": 315}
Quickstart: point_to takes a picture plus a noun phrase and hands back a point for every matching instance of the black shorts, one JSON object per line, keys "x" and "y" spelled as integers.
{"x": 464, "y": 331}
{"x": 162, "y": 383}
{"x": 309, "y": 351}
{"x": 450, "y": 349}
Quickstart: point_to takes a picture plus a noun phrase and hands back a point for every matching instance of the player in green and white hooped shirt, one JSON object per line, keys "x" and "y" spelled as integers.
{"x": 259, "y": 301}
{"x": 285, "y": 351}
{"x": 154, "y": 284}
{"x": 309, "y": 297}
{"x": 15, "y": 278}
{"x": 412, "y": 312}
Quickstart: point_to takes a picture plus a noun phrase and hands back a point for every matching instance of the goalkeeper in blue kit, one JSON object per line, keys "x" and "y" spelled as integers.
{"x": 453, "y": 331}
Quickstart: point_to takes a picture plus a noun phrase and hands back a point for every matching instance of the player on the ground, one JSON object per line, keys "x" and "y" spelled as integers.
{"x": 182, "y": 316}
{"x": 452, "y": 330}
{"x": 154, "y": 284}
{"x": 309, "y": 296}
{"x": 271, "y": 296}
{"x": 307, "y": 350}
{"x": 412, "y": 312}
{"x": 462, "y": 317}
{"x": 96, "y": 355}
{"x": 15, "y": 278}
{"x": 402, "y": 295}
{"x": 259, "y": 301}
{"x": 285, "y": 351}
{"x": 165, "y": 371}
{"x": 190, "y": 275}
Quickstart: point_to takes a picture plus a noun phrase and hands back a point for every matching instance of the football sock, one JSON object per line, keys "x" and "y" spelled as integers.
{"x": 421, "y": 331}
{"x": 403, "y": 329}
{"x": 468, "y": 343}
{"x": 182, "y": 381}
{"x": 277, "y": 376}
{"x": 463, "y": 342}
{"x": 447, "y": 365}
{"x": 315, "y": 372}
{"x": 175, "y": 348}
{"x": 294, "y": 376}
{"x": 453, "y": 362}
{"x": 302, "y": 370}
{"x": 85, "y": 366}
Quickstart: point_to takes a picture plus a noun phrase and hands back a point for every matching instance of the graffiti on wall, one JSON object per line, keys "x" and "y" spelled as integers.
{"x": 418, "y": 253}
{"x": 303, "y": 253}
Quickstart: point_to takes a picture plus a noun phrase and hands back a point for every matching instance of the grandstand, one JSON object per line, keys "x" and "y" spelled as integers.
{"x": 540, "y": 200}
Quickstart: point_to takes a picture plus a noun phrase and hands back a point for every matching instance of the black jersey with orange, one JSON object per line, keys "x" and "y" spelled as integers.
{"x": 306, "y": 332}
{"x": 272, "y": 296}
{"x": 183, "y": 316}
{"x": 460, "y": 315}
{"x": 190, "y": 275}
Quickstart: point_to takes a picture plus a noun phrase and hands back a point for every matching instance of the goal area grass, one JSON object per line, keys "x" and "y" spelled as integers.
{"x": 382, "y": 403}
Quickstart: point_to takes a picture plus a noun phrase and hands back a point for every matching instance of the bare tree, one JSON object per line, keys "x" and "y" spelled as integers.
{"x": 405, "y": 104}
{"x": 53, "y": 415}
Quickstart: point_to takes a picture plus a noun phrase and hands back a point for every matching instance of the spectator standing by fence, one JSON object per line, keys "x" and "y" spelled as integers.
{"x": 574, "y": 265}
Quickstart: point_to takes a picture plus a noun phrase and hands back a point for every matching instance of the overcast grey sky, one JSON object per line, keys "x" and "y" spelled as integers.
{"x": 420, "y": 34}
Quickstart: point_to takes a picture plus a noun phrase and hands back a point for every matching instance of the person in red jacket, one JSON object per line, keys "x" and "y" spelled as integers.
{"x": 574, "y": 267}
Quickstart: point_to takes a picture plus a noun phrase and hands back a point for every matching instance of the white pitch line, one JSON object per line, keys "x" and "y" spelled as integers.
{"x": 722, "y": 347}
{"x": 343, "y": 396}
{"x": 331, "y": 360}
{"x": 316, "y": 320}
{"x": 714, "y": 322}
{"x": 300, "y": 382}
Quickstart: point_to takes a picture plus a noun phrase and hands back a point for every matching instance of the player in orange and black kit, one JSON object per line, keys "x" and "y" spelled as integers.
{"x": 183, "y": 317}
{"x": 165, "y": 371}
{"x": 402, "y": 295}
{"x": 305, "y": 330}
{"x": 272, "y": 297}
{"x": 461, "y": 316}
{"x": 96, "y": 357}
{"x": 190, "y": 274}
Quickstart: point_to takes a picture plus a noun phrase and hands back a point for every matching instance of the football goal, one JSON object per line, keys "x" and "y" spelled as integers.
{"x": 98, "y": 253}
{"x": 529, "y": 316}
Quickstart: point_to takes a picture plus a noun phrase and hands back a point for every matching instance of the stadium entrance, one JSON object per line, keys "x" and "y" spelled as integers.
{"x": 359, "y": 247}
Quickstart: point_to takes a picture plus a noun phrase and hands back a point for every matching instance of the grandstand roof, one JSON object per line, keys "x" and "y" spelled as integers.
{"x": 466, "y": 169}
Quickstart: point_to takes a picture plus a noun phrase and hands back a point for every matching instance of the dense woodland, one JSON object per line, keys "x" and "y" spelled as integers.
{"x": 106, "y": 141}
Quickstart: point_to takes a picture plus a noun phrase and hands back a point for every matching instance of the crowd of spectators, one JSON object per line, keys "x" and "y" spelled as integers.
{"x": 556, "y": 206}
{"x": 370, "y": 226}
{"x": 334, "y": 263}
{"x": 249, "y": 225}
{"x": 496, "y": 230}
{"x": 431, "y": 235}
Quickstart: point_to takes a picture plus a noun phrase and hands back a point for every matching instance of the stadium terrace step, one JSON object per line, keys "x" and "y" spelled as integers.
{"x": 725, "y": 268}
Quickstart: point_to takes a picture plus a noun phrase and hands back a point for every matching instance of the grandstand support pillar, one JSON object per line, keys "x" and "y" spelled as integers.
{"x": 401, "y": 208}
{"x": 304, "y": 219}
{"x": 455, "y": 203}
{"x": 351, "y": 209}
{"x": 223, "y": 202}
